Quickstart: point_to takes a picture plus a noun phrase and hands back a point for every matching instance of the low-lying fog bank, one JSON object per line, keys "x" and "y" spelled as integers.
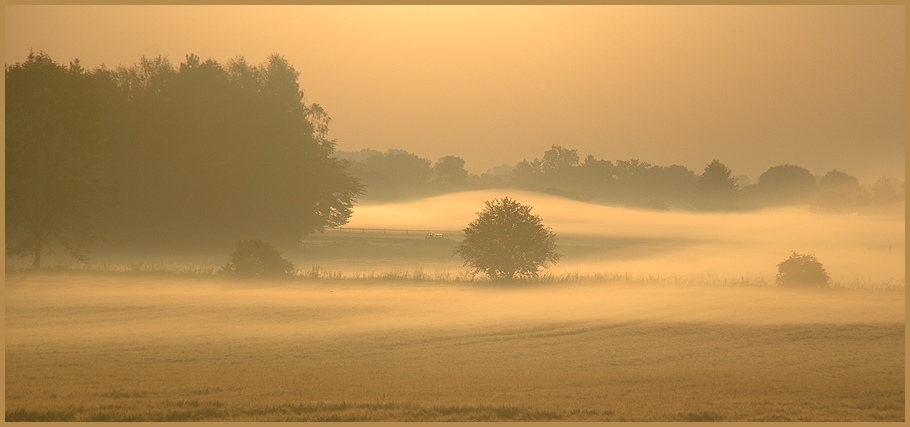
{"x": 596, "y": 241}
{"x": 89, "y": 308}
{"x": 737, "y": 246}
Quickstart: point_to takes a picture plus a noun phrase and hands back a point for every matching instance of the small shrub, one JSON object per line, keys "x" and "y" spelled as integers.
{"x": 803, "y": 271}
{"x": 255, "y": 259}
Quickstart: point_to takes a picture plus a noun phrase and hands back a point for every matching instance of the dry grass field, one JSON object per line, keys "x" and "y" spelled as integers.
{"x": 120, "y": 347}
{"x": 649, "y": 316}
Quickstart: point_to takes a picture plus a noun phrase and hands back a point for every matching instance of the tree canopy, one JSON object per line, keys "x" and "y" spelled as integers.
{"x": 210, "y": 154}
{"x": 55, "y": 141}
{"x": 780, "y": 185}
{"x": 839, "y": 192}
{"x": 716, "y": 188}
{"x": 788, "y": 182}
{"x": 199, "y": 155}
{"x": 449, "y": 172}
{"x": 627, "y": 181}
{"x": 507, "y": 241}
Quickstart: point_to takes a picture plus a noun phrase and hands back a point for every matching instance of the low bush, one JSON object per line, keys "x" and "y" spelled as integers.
{"x": 802, "y": 271}
{"x": 255, "y": 259}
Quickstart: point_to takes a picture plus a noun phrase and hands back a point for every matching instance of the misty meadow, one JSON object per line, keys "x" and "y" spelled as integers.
{"x": 186, "y": 242}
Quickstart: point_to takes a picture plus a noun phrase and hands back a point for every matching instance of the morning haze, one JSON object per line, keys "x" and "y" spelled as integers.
{"x": 454, "y": 213}
{"x": 821, "y": 87}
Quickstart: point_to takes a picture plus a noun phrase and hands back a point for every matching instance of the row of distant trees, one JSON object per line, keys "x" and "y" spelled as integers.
{"x": 397, "y": 174}
{"x": 196, "y": 156}
{"x": 400, "y": 174}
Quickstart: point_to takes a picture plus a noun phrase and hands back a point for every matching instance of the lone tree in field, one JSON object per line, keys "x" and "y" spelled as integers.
{"x": 506, "y": 241}
{"x": 802, "y": 271}
{"x": 255, "y": 259}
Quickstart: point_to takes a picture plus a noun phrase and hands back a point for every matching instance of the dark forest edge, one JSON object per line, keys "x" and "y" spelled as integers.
{"x": 155, "y": 157}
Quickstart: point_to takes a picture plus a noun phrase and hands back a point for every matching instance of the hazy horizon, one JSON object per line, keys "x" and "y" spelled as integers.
{"x": 185, "y": 243}
{"x": 754, "y": 86}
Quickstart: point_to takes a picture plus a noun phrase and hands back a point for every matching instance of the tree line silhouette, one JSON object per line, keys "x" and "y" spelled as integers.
{"x": 197, "y": 156}
{"x": 399, "y": 174}
{"x": 157, "y": 157}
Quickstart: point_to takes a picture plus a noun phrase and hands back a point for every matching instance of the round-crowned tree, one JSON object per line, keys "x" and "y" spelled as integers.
{"x": 802, "y": 271}
{"x": 255, "y": 259}
{"x": 506, "y": 242}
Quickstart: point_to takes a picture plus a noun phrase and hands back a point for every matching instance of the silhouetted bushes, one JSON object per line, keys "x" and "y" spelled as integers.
{"x": 802, "y": 271}
{"x": 255, "y": 259}
{"x": 397, "y": 174}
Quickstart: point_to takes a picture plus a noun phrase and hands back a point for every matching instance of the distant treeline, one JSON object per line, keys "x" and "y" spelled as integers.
{"x": 398, "y": 174}
{"x": 196, "y": 156}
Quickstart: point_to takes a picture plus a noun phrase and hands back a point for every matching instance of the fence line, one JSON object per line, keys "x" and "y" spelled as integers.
{"x": 407, "y": 232}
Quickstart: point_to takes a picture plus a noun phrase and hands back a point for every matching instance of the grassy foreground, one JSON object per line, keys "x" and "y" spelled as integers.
{"x": 99, "y": 348}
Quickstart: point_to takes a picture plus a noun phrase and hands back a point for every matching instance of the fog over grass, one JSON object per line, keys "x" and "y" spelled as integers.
{"x": 89, "y": 308}
{"x": 853, "y": 247}
{"x": 105, "y": 345}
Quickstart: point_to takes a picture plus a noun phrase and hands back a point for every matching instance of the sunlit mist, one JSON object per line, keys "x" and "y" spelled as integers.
{"x": 756, "y": 86}
{"x": 455, "y": 213}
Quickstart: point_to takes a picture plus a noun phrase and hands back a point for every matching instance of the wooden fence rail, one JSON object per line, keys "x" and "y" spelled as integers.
{"x": 416, "y": 233}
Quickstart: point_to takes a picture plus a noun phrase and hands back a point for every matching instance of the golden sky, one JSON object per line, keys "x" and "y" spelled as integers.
{"x": 753, "y": 86}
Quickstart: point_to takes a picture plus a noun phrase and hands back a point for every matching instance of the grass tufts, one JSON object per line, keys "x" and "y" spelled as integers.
{"x": 123, "y": 394}
{"x": 30, "y": 415}
{"x": 539, "y": 415}
{"x": 418, "y": 274}
{"x": 702, "y": 416}
{"x": 106, "y": 416}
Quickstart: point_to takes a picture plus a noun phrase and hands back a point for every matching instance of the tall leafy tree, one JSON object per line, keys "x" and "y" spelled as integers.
{"x": 450, "y": 172}
{"x": 403, "y": 169}
{"x": 595, "y": 176}
{"x": 557, "y": 172}
{"x": 786, "y": 184}
{"x": 528, "y": 175}
{"x": 839, "y": 192}
{"x": 716, "y": 188}
{"x": 215, "y": 154}
{"x": 885, "y": 191}
{"x": 558, "y": 160}
{"x": 394, "y": 174}
{"x": 54, "y": 144}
